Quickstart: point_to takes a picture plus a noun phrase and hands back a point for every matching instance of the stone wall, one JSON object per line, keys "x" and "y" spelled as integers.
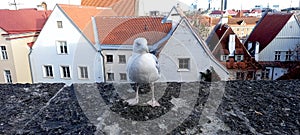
{"x": 234, "y": 107}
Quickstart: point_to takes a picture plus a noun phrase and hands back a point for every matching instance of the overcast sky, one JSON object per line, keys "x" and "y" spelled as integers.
{"x": 232, "y": 4}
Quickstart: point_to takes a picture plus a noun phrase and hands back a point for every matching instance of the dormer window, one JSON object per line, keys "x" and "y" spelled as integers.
{"x": 239, "y": 58}
{"x": 224, "y": 57}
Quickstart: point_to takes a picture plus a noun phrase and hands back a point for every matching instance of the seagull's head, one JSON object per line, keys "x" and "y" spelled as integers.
{"x": 140, "y": 46}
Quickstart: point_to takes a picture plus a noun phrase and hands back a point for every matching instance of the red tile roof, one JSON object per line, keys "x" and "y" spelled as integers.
{"x": 268, "y": 28}
{"x": 247, "y": 20}
{"x": 24, "y": 20}
{"x": 121, "y": 7}
{"x": 123, "y": 30}
{"x": 81, "y": 15}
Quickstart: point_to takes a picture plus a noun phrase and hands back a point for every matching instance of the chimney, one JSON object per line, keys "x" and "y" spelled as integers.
{"x": 257, "y": 51}
{"x": 96, "y": 36}
{"x": 249, "y": 46}
{"x": 225, "y": 4}
{"x": 231, "y": 44}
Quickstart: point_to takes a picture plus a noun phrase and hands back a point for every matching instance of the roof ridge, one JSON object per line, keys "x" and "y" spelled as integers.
{"x": 81, "y": 6}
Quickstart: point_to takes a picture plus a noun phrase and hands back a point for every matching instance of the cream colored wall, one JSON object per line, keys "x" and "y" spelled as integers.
{"x": 20, "y": 52}
{"x": 9, "y": 63}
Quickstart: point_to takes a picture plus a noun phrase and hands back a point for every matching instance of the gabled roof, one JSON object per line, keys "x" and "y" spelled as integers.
{"x": 222, "y": 48}
{"x": 23, "y": 20}
{"x": 123, "y": 30}
{"x": 268, "y": 28}
{"x": 215, "y": 36}
{"x": 81, "y": 15}
{"x": 121, "y": 7}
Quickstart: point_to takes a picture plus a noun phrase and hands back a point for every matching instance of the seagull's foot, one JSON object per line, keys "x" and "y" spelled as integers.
{"x": 153, "y": 103}
{"x": 133, "y": 101}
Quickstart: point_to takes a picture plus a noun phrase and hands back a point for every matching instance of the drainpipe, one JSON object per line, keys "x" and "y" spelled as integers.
{"x": 98, "y": 46}
{"x": 29, "y": 60}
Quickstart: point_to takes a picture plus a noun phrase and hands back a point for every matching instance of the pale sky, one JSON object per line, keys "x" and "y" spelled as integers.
{"x": 246, "y": 4}
{"x": 232, "y": 4}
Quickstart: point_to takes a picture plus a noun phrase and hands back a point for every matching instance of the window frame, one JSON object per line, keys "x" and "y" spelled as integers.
{"x": 222, "y": 58}
{"x": 4, "y": 55}
{"x": 62, "y": 49}
{"x": 277, "y": 55}
{"x": 122, "y": 59}
{"x": 8, "y": 77}
{"x": 59, "y": 24}
{"x": 110, "y": 76}
{"x": 184, "y": 64}
{"x": 62, "y": 72}
{"x": 83, "y": 72}
{"x": 109, "y": 60}
{"x": 265, "y": 74}
{"x": 45, "y": 71}
{"x": 288, "y": 55}
{"x": 239, "y": 60}
{"x": 123, "y": 77}
{"x": 240, "y": 75}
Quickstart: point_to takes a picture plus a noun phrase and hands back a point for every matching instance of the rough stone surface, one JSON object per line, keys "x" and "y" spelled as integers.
{"x": 234, "y": 107}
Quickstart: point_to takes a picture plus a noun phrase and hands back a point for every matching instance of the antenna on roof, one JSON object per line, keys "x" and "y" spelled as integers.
{"x": 14, "y": 4}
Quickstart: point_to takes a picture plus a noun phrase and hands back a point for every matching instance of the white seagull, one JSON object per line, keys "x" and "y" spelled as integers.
{"x": 143, "y": 67}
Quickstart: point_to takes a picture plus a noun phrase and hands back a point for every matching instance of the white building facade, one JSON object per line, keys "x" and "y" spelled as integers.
{"x": 62, "y": 53}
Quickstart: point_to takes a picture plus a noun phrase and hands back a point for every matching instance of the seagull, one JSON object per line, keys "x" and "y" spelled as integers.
{"x": 143, "y": 67}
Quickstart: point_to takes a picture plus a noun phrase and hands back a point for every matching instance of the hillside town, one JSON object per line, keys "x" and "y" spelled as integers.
{"x": 91, "y": 41}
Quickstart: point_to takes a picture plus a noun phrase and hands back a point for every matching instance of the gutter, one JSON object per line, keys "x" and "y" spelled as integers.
{"x": 98, "y": 46}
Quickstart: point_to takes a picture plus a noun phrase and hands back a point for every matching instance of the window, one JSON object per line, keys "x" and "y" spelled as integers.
{"x": 277, "y": 55}
{"x": 62, "y": 47}
{"x": 184, "y": 63}
{"x": 3, "y": 53}
{"x": 122, "y": 59}
{"x": 65, "y": 72}
{"x": 224, "y": 57}
{"x": 7, "y": 76}
{"x": 83, "y": 73}
{"x": 240, "y": 75}
{"x": 239, "y": 57}
{"x": 265, "y": 74}
{"x": 123, "y": 77}
{"x": 109, "y": 58}
{"x": 59, "y": 24}
{"x": 154, "y": 13}
{"x": 288, "y": 55}
{"x": 48, "y": 72}
{"x": 110, "y": 77}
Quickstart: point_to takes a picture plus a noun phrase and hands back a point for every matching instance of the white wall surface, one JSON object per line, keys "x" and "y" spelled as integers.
{"x": 286, "y": 40}
{"x": 80, "y": 52}
{"x": 183, "y": 44}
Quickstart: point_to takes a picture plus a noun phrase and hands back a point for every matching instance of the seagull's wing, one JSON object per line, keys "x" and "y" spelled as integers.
{"x": 157, "y": 64}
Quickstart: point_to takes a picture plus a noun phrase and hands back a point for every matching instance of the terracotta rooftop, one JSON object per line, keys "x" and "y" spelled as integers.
{"x": 23, "y": 20}
{"x": 247, "y": 20}
{"x": 268, "y": 28}
{"x": 81, "y": 15}
{"x": 123, "y": 30}
{"x": 121, "y": 7}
